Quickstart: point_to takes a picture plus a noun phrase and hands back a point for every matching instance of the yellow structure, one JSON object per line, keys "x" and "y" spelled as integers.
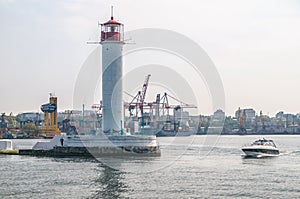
{"x": 50, "y": 127}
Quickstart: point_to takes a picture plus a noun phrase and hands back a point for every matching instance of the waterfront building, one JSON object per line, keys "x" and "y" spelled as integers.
{"x": 219, "y": 115}
{"x": 250, "y": 114}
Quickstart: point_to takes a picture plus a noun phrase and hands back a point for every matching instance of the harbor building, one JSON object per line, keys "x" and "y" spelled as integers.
{"x": 250, "y": 114}
{"x": 219, "y": 115}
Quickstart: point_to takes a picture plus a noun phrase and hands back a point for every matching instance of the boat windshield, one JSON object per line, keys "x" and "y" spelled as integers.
{"x": 264, "y": 142}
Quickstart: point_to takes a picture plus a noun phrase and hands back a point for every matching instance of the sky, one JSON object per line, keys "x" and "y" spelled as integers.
{"x": 254, "y": 45}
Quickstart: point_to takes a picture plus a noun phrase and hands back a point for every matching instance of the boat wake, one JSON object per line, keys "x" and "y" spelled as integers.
{"x": 297, "y": 152}
{"x": 284, "y": 153}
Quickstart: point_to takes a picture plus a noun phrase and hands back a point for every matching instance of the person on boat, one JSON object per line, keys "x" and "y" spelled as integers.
{"x": 62, "y": 141}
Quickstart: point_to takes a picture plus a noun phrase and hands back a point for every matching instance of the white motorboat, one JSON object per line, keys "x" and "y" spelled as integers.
{"x": 261, "y": 148}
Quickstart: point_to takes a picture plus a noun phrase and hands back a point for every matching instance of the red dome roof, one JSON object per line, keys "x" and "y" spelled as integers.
{"x": 112, "y": 21}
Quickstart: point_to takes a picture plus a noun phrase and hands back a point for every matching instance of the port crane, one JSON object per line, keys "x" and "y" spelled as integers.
{"x": 156, "y": 111}
{"x": 166, "y": 106}
{"x": 161, "y": 105}
{"x": 138, "y": 101}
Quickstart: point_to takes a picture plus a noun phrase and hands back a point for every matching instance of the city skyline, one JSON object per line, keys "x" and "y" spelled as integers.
{"x": 253, "y": 45}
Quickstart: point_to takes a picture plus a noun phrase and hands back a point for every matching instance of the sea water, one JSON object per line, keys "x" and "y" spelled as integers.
{"x": 189, "y": 167}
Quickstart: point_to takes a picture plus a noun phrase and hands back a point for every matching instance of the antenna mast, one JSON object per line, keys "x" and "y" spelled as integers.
{"x": 112, "y": 13}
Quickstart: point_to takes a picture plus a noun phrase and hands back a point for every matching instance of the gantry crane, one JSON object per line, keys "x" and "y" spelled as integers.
{"x": 166, "y": 106}
{"x": 161, "y": 105}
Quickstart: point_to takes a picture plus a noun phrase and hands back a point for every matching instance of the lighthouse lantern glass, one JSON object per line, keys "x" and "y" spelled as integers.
{"x": 112, "y": 32}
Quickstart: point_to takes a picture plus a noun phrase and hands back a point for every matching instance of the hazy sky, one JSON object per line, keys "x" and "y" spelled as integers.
{"x": 254, "y": 44}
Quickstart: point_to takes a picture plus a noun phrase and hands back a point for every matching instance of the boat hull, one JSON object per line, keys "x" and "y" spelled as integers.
{"x": 174, "y": 133}
{"x": 257, "y": 152}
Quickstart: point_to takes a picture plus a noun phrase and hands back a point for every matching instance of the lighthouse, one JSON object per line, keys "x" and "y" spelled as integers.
{"x": 112, "y": 41}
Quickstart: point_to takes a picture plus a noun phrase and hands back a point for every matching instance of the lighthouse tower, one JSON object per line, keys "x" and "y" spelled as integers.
{"x": 112, "y": 41}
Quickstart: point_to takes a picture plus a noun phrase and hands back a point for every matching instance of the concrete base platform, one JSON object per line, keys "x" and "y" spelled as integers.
{"x": 59, "y": 151}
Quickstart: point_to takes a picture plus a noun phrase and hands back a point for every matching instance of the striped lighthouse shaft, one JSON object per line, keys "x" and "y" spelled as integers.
{"x": 112, "y": 86}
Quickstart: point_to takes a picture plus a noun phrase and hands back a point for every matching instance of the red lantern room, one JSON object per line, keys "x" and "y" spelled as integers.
{"x": 112, "y": 30}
